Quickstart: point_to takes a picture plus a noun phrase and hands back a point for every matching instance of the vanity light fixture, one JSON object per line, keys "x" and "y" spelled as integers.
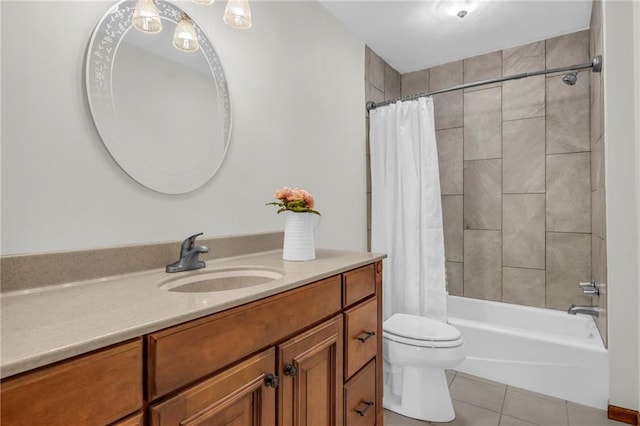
{"x": 237, "y": 14}
{"x": 185, "y": 38}
{"x": 146, "y": 17}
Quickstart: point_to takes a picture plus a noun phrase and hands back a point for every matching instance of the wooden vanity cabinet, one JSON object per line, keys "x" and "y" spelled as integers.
{"x": 308, "y": 356}
{"x": 321, "y": 343}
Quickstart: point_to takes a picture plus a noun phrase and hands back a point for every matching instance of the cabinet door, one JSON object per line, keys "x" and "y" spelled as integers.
{"x": 243, "y": 395}
{"x": 310, "y": 371}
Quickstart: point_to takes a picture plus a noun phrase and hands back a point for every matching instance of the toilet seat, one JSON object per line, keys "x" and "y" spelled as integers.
{"x": 421, "y": 331}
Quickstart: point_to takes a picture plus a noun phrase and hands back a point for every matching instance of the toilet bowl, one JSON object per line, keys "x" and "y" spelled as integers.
{"x": 416, "y": 352}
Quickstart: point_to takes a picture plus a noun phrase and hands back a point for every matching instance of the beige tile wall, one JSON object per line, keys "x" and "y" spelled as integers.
{"x": 382, "y": 82}
{"x": 515, "y": 167}
{"x": 521, "y": 170}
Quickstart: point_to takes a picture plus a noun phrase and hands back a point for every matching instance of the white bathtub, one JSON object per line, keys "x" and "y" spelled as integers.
{"x": 543, "y": 350}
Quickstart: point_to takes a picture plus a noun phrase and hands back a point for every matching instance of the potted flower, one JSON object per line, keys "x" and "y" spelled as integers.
{"x": 297, "y": 206}
{"x": 295, "y": 200}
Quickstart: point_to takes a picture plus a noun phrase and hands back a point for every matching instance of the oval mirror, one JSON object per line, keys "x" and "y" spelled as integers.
{"x": 163, "y": 114}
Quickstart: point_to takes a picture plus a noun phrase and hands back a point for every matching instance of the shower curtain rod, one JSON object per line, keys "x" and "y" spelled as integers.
{"x": 595, "y": 64}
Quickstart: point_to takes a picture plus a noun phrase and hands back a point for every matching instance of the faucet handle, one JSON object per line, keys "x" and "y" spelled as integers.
{"x": 589, "y": 289}
{"x": 188, "y": 243}
{"x": 192, "y": 239}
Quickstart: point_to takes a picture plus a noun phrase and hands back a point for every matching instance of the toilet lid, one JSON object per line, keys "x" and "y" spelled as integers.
{"x": 420, "y": 328}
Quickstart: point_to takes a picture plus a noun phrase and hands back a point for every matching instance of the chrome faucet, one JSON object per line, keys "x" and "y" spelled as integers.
{"x": 581, "y": 309}
{"x": 189, "y": 253}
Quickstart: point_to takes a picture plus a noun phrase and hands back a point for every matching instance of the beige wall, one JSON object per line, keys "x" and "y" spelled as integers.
{"x": 295, "y": 80}
{"x": 621, "y": 111}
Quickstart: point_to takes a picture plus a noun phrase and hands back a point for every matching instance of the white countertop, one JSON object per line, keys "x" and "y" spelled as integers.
{"x": 49, "y": 324}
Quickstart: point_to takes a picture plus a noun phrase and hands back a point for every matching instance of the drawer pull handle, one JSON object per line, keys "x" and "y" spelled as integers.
{"x": 290, "y": 370}
{"x": 271, "y": 381}
{"x": 365, "y": 409}
{"x": 366, "y": 335}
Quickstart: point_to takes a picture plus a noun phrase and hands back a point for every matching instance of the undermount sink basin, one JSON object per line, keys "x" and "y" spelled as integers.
{"x": 220, "y": 280}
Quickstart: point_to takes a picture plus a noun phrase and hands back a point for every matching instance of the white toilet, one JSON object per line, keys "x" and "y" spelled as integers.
{"x": 416, "y": 352}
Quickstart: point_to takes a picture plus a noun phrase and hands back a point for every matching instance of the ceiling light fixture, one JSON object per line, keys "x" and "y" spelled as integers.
{"x": 204, "y": 2}
{"x": 456, "y": 10}
{"x": 146, "y": 17}
{"x": 185, "y": 38}
{"x": 237, "y": 14}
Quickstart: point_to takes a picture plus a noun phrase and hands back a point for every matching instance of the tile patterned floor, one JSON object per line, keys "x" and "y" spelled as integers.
{"x": 480, "y": 402}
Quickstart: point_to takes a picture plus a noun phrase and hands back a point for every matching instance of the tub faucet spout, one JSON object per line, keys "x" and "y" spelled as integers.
{"x": 580, "y": 309}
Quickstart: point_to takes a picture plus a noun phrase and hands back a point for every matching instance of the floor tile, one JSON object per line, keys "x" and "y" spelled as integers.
{"x": 581, "y": 415}
{"x": 512, "y": 421}
{"x": 475, "y": 401}
{"x": 470, "y": 415}
{"x": 535, "y": 408}
{"x": 480, "y": 394}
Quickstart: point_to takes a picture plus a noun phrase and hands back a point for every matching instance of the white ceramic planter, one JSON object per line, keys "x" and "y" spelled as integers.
{"x": 298, "y": 237}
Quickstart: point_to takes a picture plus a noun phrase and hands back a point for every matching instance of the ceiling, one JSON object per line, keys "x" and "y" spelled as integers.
{"x": 409, "y": 35}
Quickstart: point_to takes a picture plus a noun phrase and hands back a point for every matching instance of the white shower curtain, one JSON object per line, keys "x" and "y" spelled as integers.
{"x": 406, "y": 208}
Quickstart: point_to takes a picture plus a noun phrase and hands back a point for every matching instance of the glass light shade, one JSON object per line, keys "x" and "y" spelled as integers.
{"x": 146, "y": 17}
{"x": 204, "y": 2}
{"x": 238, "y": 14}
{"x": 184, "y": 38}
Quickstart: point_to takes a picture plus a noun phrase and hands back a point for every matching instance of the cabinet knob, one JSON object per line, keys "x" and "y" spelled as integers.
{"x": 271, "y": 381}
{"x": 362, "y": 412}
{"x": 366, "y": 335}
{"x": 290, "y": 370}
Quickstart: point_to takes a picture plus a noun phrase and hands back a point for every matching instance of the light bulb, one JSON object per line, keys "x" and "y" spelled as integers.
{"x": 146, "y": 17}
{"x": 184, "y": 38}
{"x": 204, "y": 2}
{"x": 237, "y": 14}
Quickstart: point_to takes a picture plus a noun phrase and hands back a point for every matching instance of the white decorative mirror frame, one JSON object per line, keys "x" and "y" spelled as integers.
{"x": 164, "y": 115}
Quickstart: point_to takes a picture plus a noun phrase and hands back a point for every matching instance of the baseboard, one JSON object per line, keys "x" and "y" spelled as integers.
{"x": 624, "y": 415}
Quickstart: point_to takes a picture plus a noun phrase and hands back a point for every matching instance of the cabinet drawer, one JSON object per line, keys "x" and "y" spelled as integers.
{"x": 359, "y": 284}
{"x": 94, "y": 389}
{"x": 361, "y": 341}
{"x": 360, "y": 398}
{"x": 183, "y": 354}
{"x": 237, "y": 395}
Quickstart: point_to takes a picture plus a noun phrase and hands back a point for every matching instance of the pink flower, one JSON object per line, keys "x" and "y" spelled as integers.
{"x": 308, "y": 199}
{"x": 297, "y": 194}
{"x": 282, "y": 194}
